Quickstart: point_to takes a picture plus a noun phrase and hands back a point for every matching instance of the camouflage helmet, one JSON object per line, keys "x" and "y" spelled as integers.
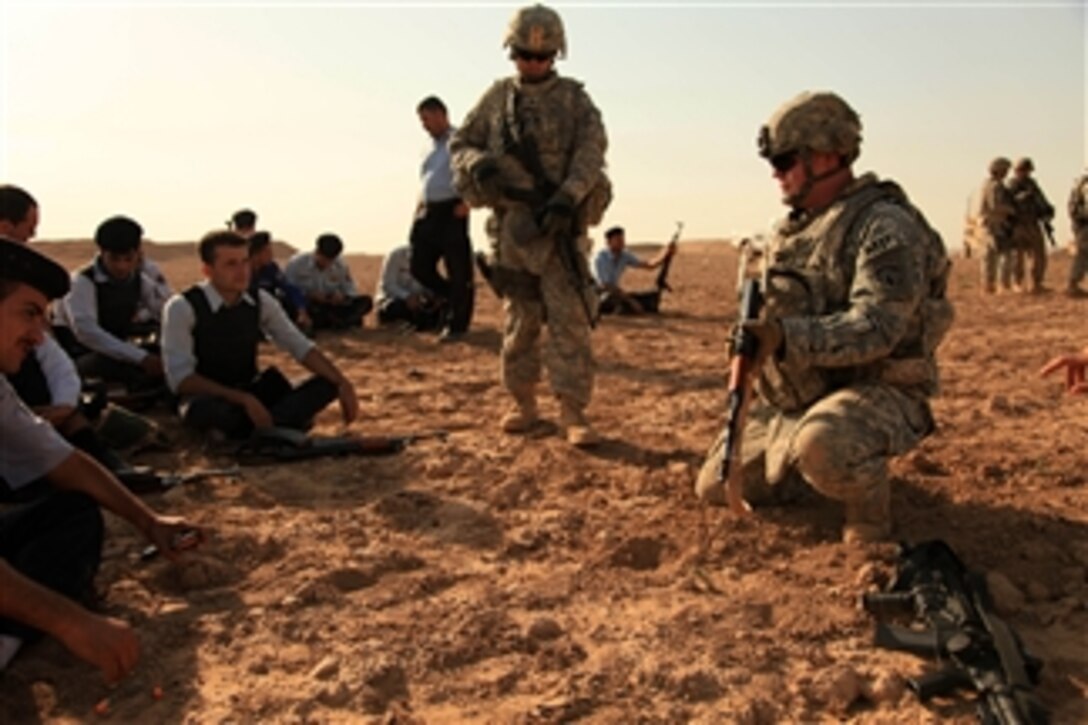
{"x": 814, "y": 121}
{"x": 1000, "y": 165}
{"x": 1024, "y": 164}
{"x": 538, "y": 29}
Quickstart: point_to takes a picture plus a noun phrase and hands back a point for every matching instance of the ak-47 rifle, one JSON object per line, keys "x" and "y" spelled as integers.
{"x": 745, "y": 350}
{"x": 287, "y": 444}
{"x": 979, "y": 650}
{"x": 1048, "y": 228}
{"x": 145, "y": 480}
{"x": 663, "y": 274}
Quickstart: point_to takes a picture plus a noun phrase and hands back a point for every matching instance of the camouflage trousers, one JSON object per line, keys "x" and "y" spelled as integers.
{"x": 566, "y": 351}
{"x": 1030, "y": 245}
{"x": 998, "y": 265}
{"x": 1079, "y": 269}
{"x": 840, "y": 445}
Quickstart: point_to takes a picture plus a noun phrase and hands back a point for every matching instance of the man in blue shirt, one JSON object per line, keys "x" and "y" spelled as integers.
{"x": 266, "y": 275}
{"x": 440, "y": 230}
{"x": 609, "y": 266}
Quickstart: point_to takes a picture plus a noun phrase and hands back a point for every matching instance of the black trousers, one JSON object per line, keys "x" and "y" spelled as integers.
{"x": 57, "y": 542}
{"x": 339, "y": 317}
{"x": 429, "y": 317}
{"x": 440, "y": 234}
{"x": 649, "y": 301}
{"x": 290, "y": 407}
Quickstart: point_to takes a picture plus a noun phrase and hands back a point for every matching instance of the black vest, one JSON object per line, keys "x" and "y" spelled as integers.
{"x": 225, "y": 342}
{"x": 117, "y": 301}
{"x": 30, "y": 382}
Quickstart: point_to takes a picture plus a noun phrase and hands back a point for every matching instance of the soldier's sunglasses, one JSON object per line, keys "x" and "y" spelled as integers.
{"x": 785, "y": 161}
{"x": 528, "y": 55}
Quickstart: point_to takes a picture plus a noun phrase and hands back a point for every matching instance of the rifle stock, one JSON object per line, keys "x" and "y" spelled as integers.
{"x": 745, "y": 349}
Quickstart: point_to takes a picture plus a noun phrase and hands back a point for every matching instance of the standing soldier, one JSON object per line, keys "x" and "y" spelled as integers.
{"x": 1078, "y": 215}
{"x": 1032, "y": 211}
{"x": 995, "y": 227}
{"x": 533, "y": 150}
{"x": 854, "y": 281}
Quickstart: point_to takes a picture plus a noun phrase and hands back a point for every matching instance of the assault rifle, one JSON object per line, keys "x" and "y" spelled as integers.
{"x": 661, "y": 283}
{"x": 141, "y": 479}
{"x": 270, "y": 445}
{"x": 979, "y": 650}
{"x": 1048, "y": 228}
{"x": 745, "y": 349}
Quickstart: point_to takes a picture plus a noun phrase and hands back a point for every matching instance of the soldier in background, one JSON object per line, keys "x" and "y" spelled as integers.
{"x": 854, "y": 281}
{"x": 1032, "y": 211}
{"x": 996, "y": 211}
{"x": 533, "y": 150}
{"x": 1078, "y": 216}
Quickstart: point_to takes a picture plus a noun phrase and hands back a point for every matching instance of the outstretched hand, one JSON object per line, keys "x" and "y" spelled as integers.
{"x": 1075, "y": 365}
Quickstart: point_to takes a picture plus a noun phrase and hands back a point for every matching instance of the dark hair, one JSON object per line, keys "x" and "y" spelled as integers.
{"x": 258, "y": 242}
{"x": 329, "y": 245}
{"x": 216, "y": 239}
{"x": 244, "y": 218}
{"x": 431, "y": 103}
{"x": 118, "y": 234}
{"x": 15, "y": 203}
{"x": 613, "y": 232}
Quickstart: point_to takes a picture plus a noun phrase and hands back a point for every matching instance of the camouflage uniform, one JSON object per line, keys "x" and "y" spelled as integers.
{"x": 859, "y": 290}
{"x": 996, "y": 211}
{"x": 560, "y": 118}
{"x": 1032, "y": 209}
{"x": 1078, "y": 215}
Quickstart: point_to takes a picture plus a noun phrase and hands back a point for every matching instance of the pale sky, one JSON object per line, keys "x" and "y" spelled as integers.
{"x": 179, "y": 113}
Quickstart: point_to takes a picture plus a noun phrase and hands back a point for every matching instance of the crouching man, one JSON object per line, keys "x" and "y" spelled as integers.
{"x": 854, "y": 281}
{"x": 50, "y": 549}
{"x": 210, "y": 337}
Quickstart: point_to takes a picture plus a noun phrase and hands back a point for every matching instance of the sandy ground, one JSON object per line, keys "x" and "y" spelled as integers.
{"x": 498, "y": 578}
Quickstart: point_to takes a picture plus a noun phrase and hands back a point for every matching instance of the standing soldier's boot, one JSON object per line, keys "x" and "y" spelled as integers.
{"x": 869, "y": 519}
{"x": 573, "y": 421}
{"x": 524, "y": 415}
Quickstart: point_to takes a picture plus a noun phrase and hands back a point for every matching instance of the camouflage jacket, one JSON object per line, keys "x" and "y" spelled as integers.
{"x": 996, "y": 207}
{"x": 859, "y": 288}
{"x": 557, "y": 114}
{"x": 1031, "y": 204}
{"x": 1078, "y": 204}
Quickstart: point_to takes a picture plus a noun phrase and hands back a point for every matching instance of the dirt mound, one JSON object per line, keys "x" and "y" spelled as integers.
{"x": 499, "y": 578}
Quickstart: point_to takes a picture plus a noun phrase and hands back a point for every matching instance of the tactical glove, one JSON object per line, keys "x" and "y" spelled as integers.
{"x": 558, "y": 215}
{"x": 488, "y": 180}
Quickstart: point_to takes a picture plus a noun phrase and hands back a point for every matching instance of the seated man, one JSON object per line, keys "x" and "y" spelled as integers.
{"x": 401, "y": 297}
{"x": 210, "y": 337}
{"x": 331, "y": 297}
{"x": 266, "y": 274}
{"x": 146, "y": 321}
{"x": 97, "y": 322}
{"x": 50, "y": 549}
{"x": 609, "y": 267}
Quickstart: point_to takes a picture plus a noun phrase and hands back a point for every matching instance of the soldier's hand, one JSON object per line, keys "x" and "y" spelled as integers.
{"x": 486, "y": 177}
{"x": 770, "y": 336}
{"x": 558, "y": 215}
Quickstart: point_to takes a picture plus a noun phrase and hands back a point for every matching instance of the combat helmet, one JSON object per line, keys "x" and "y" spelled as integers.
{"x": 1024, "y": 164}
{"x": 821, "y": 122}
{"x": 1000, "y": 165}
{"x": 538, "y": 29}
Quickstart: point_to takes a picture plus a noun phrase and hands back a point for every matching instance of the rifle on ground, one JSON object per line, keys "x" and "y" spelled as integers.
{"x": 745, "y": 348}
{"x": 979, "y": 649}
{"x": 663, "y": 274}
{"x": 270, "y": 445}
{"x": 141, "y": 479}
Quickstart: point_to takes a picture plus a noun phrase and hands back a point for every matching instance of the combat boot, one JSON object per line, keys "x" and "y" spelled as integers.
{"x": 577, "y": 429}
{"x": 869, "y": 519}
{"x": 524, "y": 414}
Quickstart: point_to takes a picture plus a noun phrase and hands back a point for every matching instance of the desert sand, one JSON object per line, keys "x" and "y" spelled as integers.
{"x": 497, "y": 578}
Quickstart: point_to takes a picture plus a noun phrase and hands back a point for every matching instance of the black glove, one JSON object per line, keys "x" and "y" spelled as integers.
{"x": 488, "y": 180}
{"x": 557, "y": 217}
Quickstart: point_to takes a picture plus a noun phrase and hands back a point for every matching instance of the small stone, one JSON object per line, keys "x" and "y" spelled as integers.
{"x": 326, "y": 669}
{"x": 699, "y": 686}
{"x": 1007, "y": 598}
{"x": 1037, "y": 591}
{"x": 290, "y": 602}
{"x": 544, "y": 629}
{"x": 839, "y": 688}
{"x": 335, "y": 694}
{"x": 886, "y": 688}
{"x": 679, "y": 468}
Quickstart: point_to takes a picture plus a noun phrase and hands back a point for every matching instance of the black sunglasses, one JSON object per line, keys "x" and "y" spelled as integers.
{"x": 528, "y": 55}
{"x": 784, "y": 161}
